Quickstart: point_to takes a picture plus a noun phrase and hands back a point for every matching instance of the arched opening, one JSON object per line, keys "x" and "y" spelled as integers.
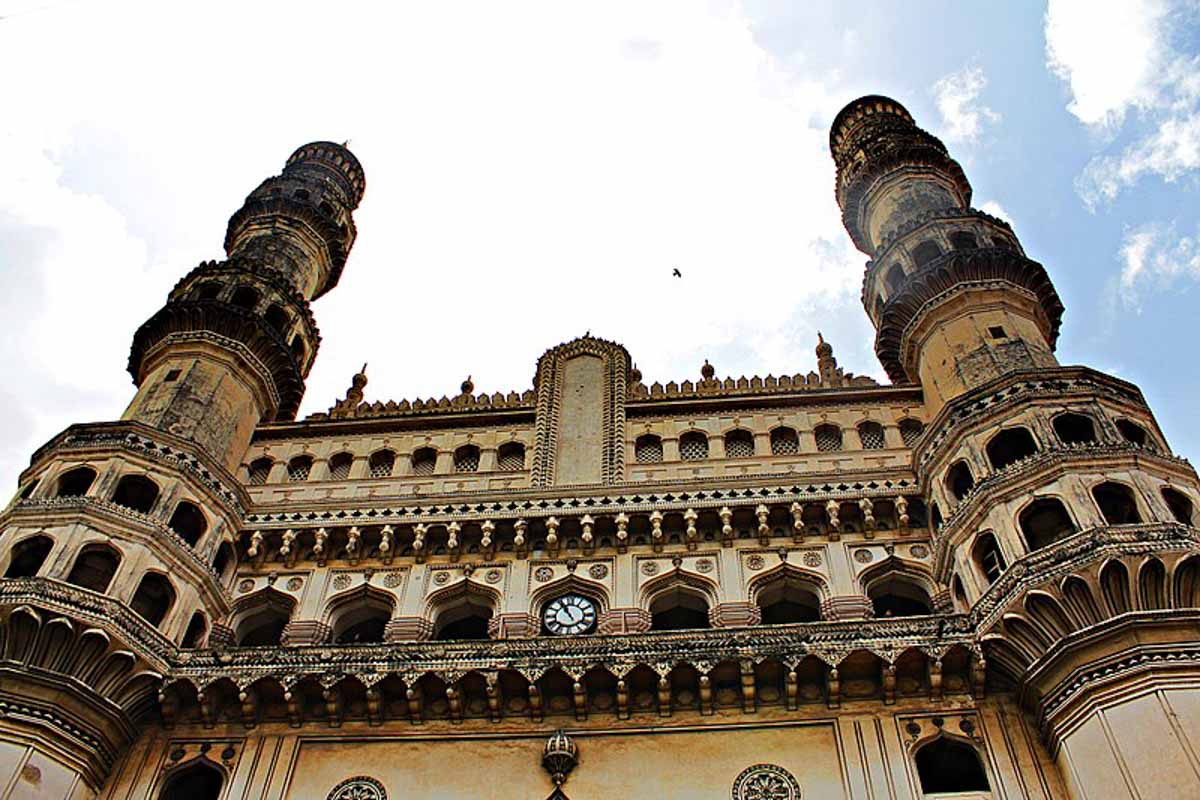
{"x": 136, "y": 492}
{"x": 339, "y": 466}
{"x": 1074, "y": 428}
{"x": 678, "y": 608}
{"x": 224, "y": 560}
{"x": 1132, "y": 432}
{"x": 959, "y": 480}
{"x": 871, "y": 435}
{"x": 189, "y": 522}
{"x": 298, "y": 350}
{"x": 466, "y": 458}
{"x": 465, "y": 617}
{"x": 898, "y": 596}
{"x": 1179, "y": 505}
{"x": 28, "y": 489}
{"x": 829, "y": 438}
{"x": 262, "y": 625}
{"x": 784, "y": 442}
{"x": 1009, "y": 446}
{"x": 76, "y": 482}
{"x": 925, "y": 252}
{"x": 260, "y": 470}
{"x": 208, "y": 291}
{"x": 95, "y": 567}
{"x": 964, "y": 240}
{"x": 788, "y": 598}
{"x": 693, "y": 446}
{"x": 987, "y": 557}
{"x": 511, "y": 457}
{"x": 1044, "y": 522}
{"x": 197, "y": 627}
{"x": 947, "y": 765}
{"x": 28, "y": 555}
{"x": 894, "y": 279}
{"x": 362, "y": 620}
{"x": 1117, "y": 503}
{"x": 199, "y": 781}
{"x": 276, "y": 317}
{"x": 739, "y": 444}
{"x": 244, "y": 297}
{"x": 648, "y": 449}
{"x": 424, "y": 460}
{"x": 381, "y": 463}
{"x": 910, "y": 431}
{"x": 299, "y": 469}
{"x": 153, "y": 598}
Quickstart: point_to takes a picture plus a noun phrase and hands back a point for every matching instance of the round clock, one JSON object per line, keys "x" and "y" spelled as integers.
{"x": 569, "y": 615}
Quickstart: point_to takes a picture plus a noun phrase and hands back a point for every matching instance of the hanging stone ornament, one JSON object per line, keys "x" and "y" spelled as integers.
{"x": 765, "y": 782}
{"x": 358, "y": 788}
{"x": 559, "y": 757}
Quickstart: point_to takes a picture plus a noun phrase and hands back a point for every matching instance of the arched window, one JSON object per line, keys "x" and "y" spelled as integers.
{"x": 1133, "y": 433}
{"x": 693, "y": 446}
{"x": 28, "y": 555}
{"x": 898, "y": 596}
{"x": 648, "y": 449}
{"x": 424, "y": 460}
{"x": 381, "y": 463}
{"x": 224, "y": 560}
{"x": 894, "y": 279}
{"x": 76, "y": 482}
{"x": 244, "y": 297}
{"x": 1009, "y": 446}
{"x": 739, "y": 444}
{"x": 153, "y": 598}
{"x": 260, "y": 470}
{"x": 911, "y": 430}
{"x": 871, "y": 435}
{"x": 466, "y": 458}
{"x": 28, "y": 489}
{"x": 208, "y": 291}
{"x": 95, "y": 567}
{"x": 959, "y": 480}
{"x": 964, "y": 240}
{"x": 511, "y": 457}
{"x": 466, "y": 617}
{"x": 987, "y": 557}
{"x": 263, "y": 623}
{"x": 946, "y": 765}
{"x": 197, "y": 627}
{"x": 189, "y": 522}
{"x": 829, "y": 438}
{"x": 1179, "y": 504}
{"x": 925, "y": 252}
{"x": 339, "y": 466}
{"x": 1117, "y": 503}
{"x": 788, "y": 598}
{"x": 784, "y": 442}
{"x": 298, "y": 349}
{"x": 362, "y": 621}
{"x": 200, "y": 781}
{"x": 678, "y": 609}
{"x": 1044, "y": 522}
{"x": 276, "y": 318}
{"x": 1074, "y": 428}
{"x": 137, "y": 492}
{"x": 299, "y": 468}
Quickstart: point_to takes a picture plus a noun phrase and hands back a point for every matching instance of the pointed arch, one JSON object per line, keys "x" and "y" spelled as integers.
{"x": 1152, "y": 585}
{"x": 1048, "y": 615}
{"x": 28, "y": 556}
{"x": 678, "y": 601}
{"x": 198, "y": 779}
{"x": 258, "y": 619}
{"x": 1081, "y": 601}
{"x": 462, "y": 610}
{"x": 359, "y": 615}
{"x": 787, "y": 594}
{"x": 1114, "y": 585}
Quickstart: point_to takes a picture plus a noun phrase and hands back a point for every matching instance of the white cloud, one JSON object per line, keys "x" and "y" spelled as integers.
{"x": 1154, "y": 255}
{"x": 1121, "y": 57}
{"x": 996, "y": 210}
{"x": 957, "y": 98}
{"x": 530, "y": 175}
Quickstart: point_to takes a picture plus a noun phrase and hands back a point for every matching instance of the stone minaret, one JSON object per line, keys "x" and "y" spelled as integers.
{"x": 954, "y": 300}
{"x": 236, "y": 339}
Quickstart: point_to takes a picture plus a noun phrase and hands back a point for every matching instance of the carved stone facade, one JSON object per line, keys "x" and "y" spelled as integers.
{"x": 980, "y": 581}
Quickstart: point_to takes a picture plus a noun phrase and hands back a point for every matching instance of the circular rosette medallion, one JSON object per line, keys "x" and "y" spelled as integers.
{"x": 360, "y": 788}
{"x": 765, "y": 782}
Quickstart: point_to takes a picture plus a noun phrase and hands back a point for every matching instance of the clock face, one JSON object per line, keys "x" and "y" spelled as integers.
{"x": 569, "y": 615}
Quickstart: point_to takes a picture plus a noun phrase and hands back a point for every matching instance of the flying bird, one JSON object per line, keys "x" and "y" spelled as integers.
{"x": 677, "y": 273}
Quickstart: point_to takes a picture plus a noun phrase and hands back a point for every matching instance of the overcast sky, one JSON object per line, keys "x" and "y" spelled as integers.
{"x": 535, "y": 170}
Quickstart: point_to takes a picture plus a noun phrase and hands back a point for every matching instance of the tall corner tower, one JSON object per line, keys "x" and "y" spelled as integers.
{"x": 953, "y": 298}
{"x": 118, "y": 554}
